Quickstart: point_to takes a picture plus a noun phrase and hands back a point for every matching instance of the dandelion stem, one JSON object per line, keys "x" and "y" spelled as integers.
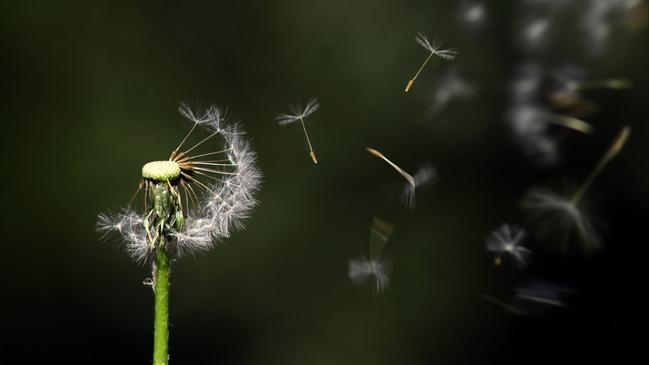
{"x": 615, "y": 148}
{"x": 412, "y": 81}
{"x": 161, "y": 316}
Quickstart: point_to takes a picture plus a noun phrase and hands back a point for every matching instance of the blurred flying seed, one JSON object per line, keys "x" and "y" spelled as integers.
{"x": 507, "y": 241}
{"x": 376, "y": 266}
{"x": 560, "y": 216}
{"x": 423, "y": 176}
{"x": 380, "y": 233}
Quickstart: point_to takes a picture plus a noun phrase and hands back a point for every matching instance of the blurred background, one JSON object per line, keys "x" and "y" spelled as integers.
{"x": 90, "y": 93}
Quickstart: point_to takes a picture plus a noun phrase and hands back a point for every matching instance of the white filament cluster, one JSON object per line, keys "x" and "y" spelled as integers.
{"x": 507, "y": 240}
{"x": 220, "y": 205}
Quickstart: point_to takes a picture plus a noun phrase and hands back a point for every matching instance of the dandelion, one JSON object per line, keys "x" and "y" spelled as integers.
{"x": 191, "y": 201}
{"x": 299, "y": 113}
{"x": 507, "y": 240}
{"x": 376, "y": 266}
{"x": 563, "y": 216}
{"x": 433, "y": 49}
{"x": 425, "y": 175}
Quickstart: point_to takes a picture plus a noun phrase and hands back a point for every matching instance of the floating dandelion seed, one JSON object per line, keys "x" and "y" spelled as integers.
{"x": 423, "y": 176}
{"x": 507, "y": 240}
{"x": 542, "y": 293}
{"x": 434, "y": 49}
{"x": 191, "y": 200}
{"x": 504, "y": 305}
{"x": 299, "y": 113}
{"x": 534, "y": 298}
{"x": 376, "y": 266}
{"x": 568, "y": 93}
{"x": 562, "y": 216}
{"x": 426, "y": 174}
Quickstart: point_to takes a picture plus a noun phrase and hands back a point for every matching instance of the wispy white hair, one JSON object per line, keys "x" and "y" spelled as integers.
{"x": 425, "y": 175}
{"x": 220, "y": 208}
{"x": 507, "y": 240}
{"x": 360, "y": 270}
{"x": 560, "y": 220}
{"x": 298, "y": 112}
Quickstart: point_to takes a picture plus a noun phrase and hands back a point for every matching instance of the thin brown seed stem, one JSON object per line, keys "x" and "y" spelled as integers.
{"x": 412, "y": 81}
{"x": 571, "y": 123}
{"x": 193, "y": 193}
{"x": 139, "y": 187}
{"x": 210, "y": 153}
{"x": 213, "y": 163}
{"x": 201, "y": 142}
{"x": 214, "y": 171}
{"x": 612, "y": 151}
{"x": 187, "y": 136}
{"x": 308, "y": 141}
{"x": 207, "y": 175}
{"x": 407, "y": 176}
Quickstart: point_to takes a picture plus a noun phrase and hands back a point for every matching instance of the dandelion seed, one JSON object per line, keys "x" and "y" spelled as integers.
{"x": 426, "y": 174}
{"x": 504, "y": 305}
{"x": 299, "y": 113}
{"x": 375, "y": 266}
{"x": 562, "y": 216}
{"x": 567, "y": 94}
{"x": 507, "y": 240}
{"x": 435, "y": 50}
{"x": 534, "y": 298}
{"x": 537, "y": 296}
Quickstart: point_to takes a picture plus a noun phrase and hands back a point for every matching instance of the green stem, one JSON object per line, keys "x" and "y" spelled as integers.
{"x": 161, "y": 316}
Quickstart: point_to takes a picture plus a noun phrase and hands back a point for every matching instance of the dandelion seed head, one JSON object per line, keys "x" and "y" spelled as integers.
{"x": 560, "y": 220}
{"x": 507, "y": 240}
{"x": 219, "y": 192}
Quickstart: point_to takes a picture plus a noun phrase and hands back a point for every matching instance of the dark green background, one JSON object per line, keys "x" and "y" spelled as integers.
{"x": 90, "y": 92}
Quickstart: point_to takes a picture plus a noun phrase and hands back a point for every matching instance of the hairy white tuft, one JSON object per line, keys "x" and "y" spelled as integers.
{"x": 435, "y": 48}
{"x": 298, "y": 112}
{"x": 559, "y": 220}
{"x": 507, "y": 240}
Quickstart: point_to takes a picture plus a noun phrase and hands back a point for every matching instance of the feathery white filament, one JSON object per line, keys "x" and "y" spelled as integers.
{"x": 507, "y": 240}
{"x": 218, "y": 205}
